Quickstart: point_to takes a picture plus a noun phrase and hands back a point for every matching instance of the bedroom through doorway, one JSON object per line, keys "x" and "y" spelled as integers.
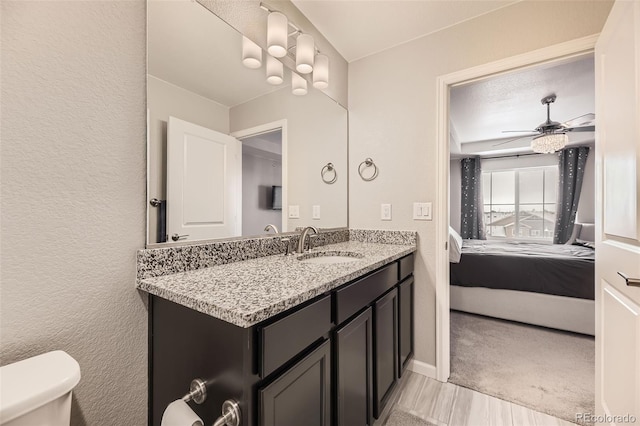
{"x": 521, "y": 253}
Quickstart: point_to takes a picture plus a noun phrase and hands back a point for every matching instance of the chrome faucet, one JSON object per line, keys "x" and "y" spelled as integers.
{"x": 270, "y": 226}
{"x": 303, "y": 237}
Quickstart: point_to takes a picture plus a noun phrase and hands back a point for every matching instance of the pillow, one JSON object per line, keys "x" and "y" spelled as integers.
{"x": 455, "y": 246}
{"x": 576, "y": 231}
{"x": 588, "y": 232}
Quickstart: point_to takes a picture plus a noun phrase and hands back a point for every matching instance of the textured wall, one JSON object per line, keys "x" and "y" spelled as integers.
{"x": 392, "y": 118}
{"x": 73, "y": 191}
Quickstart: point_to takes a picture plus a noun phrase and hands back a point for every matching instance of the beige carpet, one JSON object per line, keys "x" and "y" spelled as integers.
{"x": 546, "y": 370}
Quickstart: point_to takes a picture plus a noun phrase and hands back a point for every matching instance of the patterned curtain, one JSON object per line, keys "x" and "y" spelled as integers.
{"x": 471, "y": 220}
{"x": 571, "y": 172}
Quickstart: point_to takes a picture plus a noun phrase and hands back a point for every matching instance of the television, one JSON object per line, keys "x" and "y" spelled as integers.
{"x": 276, "y": 197}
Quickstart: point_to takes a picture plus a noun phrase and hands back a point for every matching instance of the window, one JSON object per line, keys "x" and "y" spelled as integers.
{"x": 520, "y": 203}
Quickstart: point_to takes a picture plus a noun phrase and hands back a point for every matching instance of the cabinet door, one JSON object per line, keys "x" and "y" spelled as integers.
{"x": 386, "y": 349}
{"x": 405, "y": 323}
{"x": 300, "y": 395}
{"x": 353, "y": 365}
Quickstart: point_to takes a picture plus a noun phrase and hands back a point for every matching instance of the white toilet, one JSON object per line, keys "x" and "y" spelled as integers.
{"x": 37, "y": 391}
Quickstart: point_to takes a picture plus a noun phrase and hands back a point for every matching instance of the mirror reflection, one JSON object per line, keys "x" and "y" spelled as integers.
{"x": 229, "y": 153}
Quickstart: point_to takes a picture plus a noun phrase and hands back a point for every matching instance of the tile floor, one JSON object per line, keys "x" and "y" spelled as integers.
{"x": 446, "y": 404}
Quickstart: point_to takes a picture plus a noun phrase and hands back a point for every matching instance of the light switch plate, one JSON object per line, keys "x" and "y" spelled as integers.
{"x": 316, "y": 212}
{"x": 294, "y": 212}
{"x": 385, "y": 211}
{"x": 422, "y": 211}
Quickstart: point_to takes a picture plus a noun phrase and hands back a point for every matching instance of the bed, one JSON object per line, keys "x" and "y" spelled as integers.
{"x": 541, "y": 284}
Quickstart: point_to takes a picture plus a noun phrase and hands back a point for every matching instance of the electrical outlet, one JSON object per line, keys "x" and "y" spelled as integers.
{"x": 385, "y": 211}
{"x": 316, "y": 212}
{"x": 421, "y": 211}
{"x": 294, "y": 212}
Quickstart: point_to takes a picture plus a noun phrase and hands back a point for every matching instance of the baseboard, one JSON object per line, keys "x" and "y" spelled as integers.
{"x": 422, "y": 368}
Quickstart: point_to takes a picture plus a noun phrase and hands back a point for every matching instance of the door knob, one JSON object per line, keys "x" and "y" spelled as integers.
{"x": 634, "y": 282}
{"x": 176, "y": 237}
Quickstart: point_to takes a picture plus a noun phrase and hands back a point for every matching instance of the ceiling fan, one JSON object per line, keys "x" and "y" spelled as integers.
{"x": 551, "y": 136}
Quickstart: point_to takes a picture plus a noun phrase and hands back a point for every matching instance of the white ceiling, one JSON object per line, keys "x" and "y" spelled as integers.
{"x": 359, "y": 28}
{"x": 482, "y": 110}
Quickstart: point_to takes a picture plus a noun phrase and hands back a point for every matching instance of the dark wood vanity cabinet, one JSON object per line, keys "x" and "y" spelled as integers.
{"x": 354, "y": 371}
{"x": 333, "y": 360}
{"x": 300, "y": 395}
{"x": 405, "y": 323}
{"x": 385, "y": 315}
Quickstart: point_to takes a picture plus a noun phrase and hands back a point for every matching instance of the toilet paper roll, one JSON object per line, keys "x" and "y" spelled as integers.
{"x": 178, "y": 413}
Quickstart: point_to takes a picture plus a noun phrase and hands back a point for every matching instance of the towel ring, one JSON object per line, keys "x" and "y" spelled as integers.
{"x": 368, "y": 163}
{"x": 328, "y": 169}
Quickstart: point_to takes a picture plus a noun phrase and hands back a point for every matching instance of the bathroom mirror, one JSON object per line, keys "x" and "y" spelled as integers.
{"x": 226, "y": 149}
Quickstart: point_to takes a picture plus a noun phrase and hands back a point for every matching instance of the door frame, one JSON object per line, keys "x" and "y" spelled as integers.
{"x": 569, "y": 49}
{"x": 267, "y": 128}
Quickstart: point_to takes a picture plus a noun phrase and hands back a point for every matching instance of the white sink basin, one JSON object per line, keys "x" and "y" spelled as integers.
{"x": 326, "y": 257}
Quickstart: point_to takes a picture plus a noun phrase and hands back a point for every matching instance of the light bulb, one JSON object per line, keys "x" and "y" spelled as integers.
{"x": 298, "y": 84}
{"x": 275, "y": 71}
{"x": 277, "y": 34}
{"x": 321, "y": 72}
{"x": 305, "y": 51}
{"x": 251, "y": 54}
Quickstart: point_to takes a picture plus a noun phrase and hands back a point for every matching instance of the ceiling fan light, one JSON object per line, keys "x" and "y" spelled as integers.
{"x": 275, "y": 71}
{"x": 321, "y": 72}
{"x": 277, "y": 34}
{"x": 298, "y": 84}
{"x": 251, "y": 54}
{"x": 549, "y": 143}
{"x": 305, "y": 52}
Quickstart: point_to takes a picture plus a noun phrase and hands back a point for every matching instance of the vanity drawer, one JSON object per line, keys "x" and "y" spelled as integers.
{"x": 406, "y": 267}
{"x": 285, "y": 338}
{"x": 356, "y": 296}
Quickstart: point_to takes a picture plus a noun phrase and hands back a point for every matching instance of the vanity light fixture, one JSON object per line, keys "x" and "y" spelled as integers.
{"x": 277, "y": 34}
{"x": 251, "y": 54}
{"x": 305, "y": 51}
{"x": 298, "y": 84}
{"x": 307, "y": 57}
{"x": 549, "y": 143}
{"x": 321, "y": 72}
{"x": 275, "y": 71}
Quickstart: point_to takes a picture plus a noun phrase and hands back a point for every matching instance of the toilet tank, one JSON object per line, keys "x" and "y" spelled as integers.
{"x": 37, "y": 391}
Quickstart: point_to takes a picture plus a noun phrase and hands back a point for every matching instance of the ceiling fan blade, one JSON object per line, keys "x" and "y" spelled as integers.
{"x": 581, "y": 129}
{"x": 518, "y": 131}
{"x": 580, "y": 120}
{"x": 515, "y": 139}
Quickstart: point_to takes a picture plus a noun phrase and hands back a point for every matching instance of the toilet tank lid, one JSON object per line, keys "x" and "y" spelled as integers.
{"x": 31, "y": 383}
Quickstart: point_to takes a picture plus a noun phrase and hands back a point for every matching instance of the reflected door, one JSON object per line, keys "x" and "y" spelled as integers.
{"x": 618, "y": 239}
{"x": 203, "y": 182}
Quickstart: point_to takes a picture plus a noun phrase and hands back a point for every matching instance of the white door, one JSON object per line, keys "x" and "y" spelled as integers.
{"x": 618, "y": 239}
{"x": 203, "y": 182}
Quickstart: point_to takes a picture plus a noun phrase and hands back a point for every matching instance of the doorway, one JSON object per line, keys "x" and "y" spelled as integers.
{"x": 561, "y": 51}
{"x": 261, "y": 182}
{"x": 264, "y": 177}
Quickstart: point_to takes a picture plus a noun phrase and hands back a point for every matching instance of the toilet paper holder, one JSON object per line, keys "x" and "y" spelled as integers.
{"x": 197, "y": 392}
{"x": 231, "y": 414}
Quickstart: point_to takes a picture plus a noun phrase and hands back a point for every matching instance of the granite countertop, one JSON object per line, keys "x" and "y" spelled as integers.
{"x": 250, "y": 291}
